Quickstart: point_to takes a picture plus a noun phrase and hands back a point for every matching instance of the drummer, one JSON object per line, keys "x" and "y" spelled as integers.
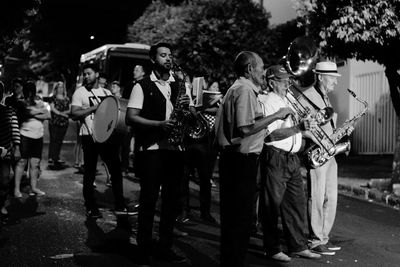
{"x": 85, "y": 101}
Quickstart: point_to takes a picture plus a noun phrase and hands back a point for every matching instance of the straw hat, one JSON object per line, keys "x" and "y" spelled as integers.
{"x": 327, "y": 68}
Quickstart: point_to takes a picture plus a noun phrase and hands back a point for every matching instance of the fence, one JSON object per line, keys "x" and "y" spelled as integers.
{"x": 375, "y": 133}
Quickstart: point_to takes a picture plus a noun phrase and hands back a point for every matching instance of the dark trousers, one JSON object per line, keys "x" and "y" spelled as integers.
{"x": 282, "y": 193}
{"x": 125, "y": 148}
{"x": 158, "y": 168}
{"x": 109, "y": 153}
{"x": 5, "y": 167}
{"x": 57, "y": 135}
{"x": 201, "y": 157}
{"x": 238, "y": 174}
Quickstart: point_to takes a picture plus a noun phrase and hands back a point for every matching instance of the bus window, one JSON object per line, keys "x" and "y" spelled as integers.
{"x": 118, "y": 61}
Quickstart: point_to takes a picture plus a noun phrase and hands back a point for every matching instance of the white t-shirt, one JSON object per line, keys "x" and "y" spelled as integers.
{"x": 85, "y": 99}
{"x": 33, "y": 128}
{"x": 271, "y": 104}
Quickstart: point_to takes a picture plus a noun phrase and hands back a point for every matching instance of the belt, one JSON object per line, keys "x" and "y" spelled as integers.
{"x": 234, "y": 149}
{"x": 281, "y": 151}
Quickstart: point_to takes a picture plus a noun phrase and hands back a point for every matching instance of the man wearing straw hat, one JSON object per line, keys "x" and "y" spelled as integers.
{"x": 322, "y": 181}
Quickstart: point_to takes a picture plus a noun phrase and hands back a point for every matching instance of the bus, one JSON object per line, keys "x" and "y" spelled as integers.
{"x": 117, "y": 61}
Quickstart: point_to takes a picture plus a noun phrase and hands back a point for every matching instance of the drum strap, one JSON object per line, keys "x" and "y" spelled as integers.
{"x": 95, "y": 97}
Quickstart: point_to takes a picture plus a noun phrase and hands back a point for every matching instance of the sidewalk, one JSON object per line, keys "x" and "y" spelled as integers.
{"x": 367, "y": 177}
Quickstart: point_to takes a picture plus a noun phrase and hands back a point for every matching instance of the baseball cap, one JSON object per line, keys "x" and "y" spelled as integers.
{"x": 277, "y": 72}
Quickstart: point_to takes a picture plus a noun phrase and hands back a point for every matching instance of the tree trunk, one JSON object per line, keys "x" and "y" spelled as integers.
{"x": 394, "y": 84}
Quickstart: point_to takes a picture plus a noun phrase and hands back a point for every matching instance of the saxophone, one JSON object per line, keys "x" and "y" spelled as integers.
{"x": 185, "y": 123}
{"x": 318, "y": 155}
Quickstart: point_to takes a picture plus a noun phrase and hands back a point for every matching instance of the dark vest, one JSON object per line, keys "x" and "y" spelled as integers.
{"x": 154, "y": 107}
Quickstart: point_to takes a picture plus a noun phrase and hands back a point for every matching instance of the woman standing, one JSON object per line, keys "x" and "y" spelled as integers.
{"x": 31, "y": 130}
{"x": 58, "y": 124}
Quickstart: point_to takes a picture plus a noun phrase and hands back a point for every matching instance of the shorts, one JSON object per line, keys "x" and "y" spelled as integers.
{"x": 31, "y": 148}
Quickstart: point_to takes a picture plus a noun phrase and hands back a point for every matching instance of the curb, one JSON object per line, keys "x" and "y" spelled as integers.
{"x": 370, "y": 195}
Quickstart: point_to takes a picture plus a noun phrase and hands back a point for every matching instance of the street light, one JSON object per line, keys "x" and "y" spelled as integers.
{"x": 91, "y": 37}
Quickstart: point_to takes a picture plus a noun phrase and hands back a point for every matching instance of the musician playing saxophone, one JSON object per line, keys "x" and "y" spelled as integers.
{"x": 159, "y": 163}
{"x": 322, "y": 195}
{"x": 281, "y": 181}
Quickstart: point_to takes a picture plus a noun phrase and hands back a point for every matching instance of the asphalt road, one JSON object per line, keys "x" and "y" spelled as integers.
{"x": 53, "y": 231}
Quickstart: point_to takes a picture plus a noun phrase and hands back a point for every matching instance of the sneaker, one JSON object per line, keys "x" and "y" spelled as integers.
{"x": 183, "y": 218}
{"x": 179, "y": 233}
{"x": 4, "y": 218}
{"x": 37, "y": 193}
{"x": 168, "y": 255}
{"x": 281, "y": 257}
{"x": 125, "y": 212}
{"x": 323, "y": 250}
{"x": 93, "y": 214}
{"x": 307, "y": 254}
{"x": 333, "y": 247}
{"x": 17, "y": 194}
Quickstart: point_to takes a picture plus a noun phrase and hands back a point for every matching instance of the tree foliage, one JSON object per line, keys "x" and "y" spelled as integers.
{"x": 47, "y": 37}
{"x": 364, "y": 29}
{"x": 15, "y": 25}
{"x": 15, "y": 21}
{"x": 207, "y": 34}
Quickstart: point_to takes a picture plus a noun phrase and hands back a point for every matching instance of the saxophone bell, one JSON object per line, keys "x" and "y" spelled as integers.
{"x": 343, "y": 147}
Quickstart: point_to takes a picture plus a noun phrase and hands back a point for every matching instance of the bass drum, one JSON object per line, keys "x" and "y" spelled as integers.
{"x": 109, "y": 118}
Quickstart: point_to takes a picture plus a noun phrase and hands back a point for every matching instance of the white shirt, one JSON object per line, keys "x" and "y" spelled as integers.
{"x": 136, "y": 98}
{"x": 271, "y": 104}
{"x": 33, "y": 128}
{"x": 85, "y": 99}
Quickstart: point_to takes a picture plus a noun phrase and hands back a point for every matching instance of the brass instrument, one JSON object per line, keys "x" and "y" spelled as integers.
{"x": 319, "y": 155}
{"x": 322, "y": 116}
{"x": 299, "y": 61}
{"x": 185, "y": 123}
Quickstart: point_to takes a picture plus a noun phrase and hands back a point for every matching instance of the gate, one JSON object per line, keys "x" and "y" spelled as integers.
{"x": 375, "y": 133}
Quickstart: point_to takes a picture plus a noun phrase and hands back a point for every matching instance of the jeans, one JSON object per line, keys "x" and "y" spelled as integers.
{"x": 282, "y": 194}
{"x": 238, "y": 173}
{"x": 57, "y": 135}
{"x": 109, "y": 153}
{"x": 322, "y": 201}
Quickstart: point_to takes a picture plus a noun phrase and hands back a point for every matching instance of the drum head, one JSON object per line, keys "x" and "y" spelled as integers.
{"x": 105, "y": 119}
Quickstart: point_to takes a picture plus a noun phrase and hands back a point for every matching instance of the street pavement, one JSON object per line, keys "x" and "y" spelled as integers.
{"x": 53, "y": 230}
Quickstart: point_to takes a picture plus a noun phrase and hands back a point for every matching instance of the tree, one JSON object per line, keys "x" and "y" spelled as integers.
{"x": 47, "y": 37}
{"x": 15, "y": 22}
{"x": 365, "y": 30}
{"x": 207, "y": 35}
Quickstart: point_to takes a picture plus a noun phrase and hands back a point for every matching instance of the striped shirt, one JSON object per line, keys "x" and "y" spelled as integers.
{"x": 9, "y": 130}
